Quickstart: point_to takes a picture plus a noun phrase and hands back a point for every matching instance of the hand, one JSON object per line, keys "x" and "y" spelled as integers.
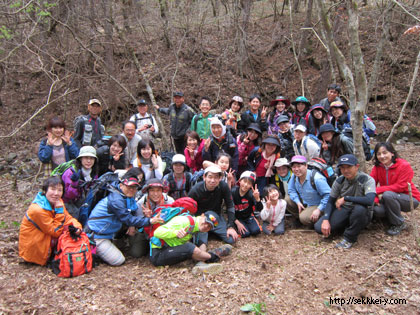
{"x": 339, "y": 202}
{"x": 326, "y": 228}
{"x": 157, "y": 106}
{"x": 154, "y": 161}
{"x": 264, "y": 112}
{"x": 256, "y": 193}
{"x": 246, "y": 140}
{"x": 156, "y": 219}
{"x": 131, "y": 231}
{"x": 182, "y": 232}
{"x": 147, "y": 212}
{"x": 66, "y": 136}
{"x": 190, "y": 152}
{"x": 270, "y": 227}
{"x": 301, "y": 207}
{"x": 75, "y": 177}
{"x": 50, "y": 138}
{"x": 142, "y": 128}
{"x": 315, "y": 215}
{"x": 232, "y": 232}
{"x": 207, "y": 143}
{"x": 78, "y": 232}
{"x": 324, "y": 145}
{"x": 231, "y": 177}
{"x": 152, "y": 129}
{"x": 241, "y": 228}
{"x": 267, "y": 202}
{"x": 59, "y": 204}
{"x": 117, "y": 156}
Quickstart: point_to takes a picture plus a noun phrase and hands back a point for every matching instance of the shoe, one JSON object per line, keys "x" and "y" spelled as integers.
{"x": 345, "y": 244}
{"x": 396, "y": 229}
{"x": 223, "y": 250}
{"x": 202, "y": 267}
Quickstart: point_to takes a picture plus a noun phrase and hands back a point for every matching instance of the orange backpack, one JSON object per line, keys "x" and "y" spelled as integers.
{"x": 73, "y": 256}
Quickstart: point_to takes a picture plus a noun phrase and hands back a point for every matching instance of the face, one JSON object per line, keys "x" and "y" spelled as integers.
{"x": 245, "y": 185}
{"x": 216, "y": 130}
{"x": 269, "y": 148}
{"x": 155, "y": 194}
{"x": 87, "y": 161}
{"x": 255, "y": 104}
{"x": 235, "y": 106}
{"x": 212, "y": 180}
{"x": 94, "y": 110}
{"x": 317, "y": 113}
{"x": 282, "y": 171}
{"x": 54, "y": 193}
{"x": 299, "y": 169}
{"x": 178, "y": 168}
{"x": 142, "y": 109}
{"x": 223, "y": 163}
{"x": 327, "y": 136}
{"x": 280, "y": 106}
{"x": 115, "y": 148}
{"x": 332, "y": 95}
{"x": 192, "y": 142}
{"x": 146, "y": 152}
{"x": 284, "y": 127}
{"x": 203, "y": 226}
{"x": 300, "y": 107}
{"x": 273, "y": 195}
{"x": 336, "y": 111}
{"x": 252, "y": 135}
{"x": 57, "y": 131}
{"x": 299, "y": 135}
{"x": 384, "y": 156}
{"x": 129, "y": 131}
{"x": 205, "y": 107}
{"x": 349, "y": 171}
{"x": 129, "y": 191}
{"x": 179, "y": 100}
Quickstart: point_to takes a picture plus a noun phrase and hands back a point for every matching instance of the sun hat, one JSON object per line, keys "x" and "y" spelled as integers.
{"x": 87, "y": 151}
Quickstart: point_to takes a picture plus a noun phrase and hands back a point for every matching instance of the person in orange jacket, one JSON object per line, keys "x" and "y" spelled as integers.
{"x": 44, "y": 222}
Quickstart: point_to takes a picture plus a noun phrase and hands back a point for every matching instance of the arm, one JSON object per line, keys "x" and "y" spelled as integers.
{"x": 73, "y": 149}
{"x": 281, "y": 206}
{"x": 265, "y": 213}
{"x": 230, "y": 207}
{"x": 362, "y": 200}
{"x": 117, "y": 204}
{"x": 291, "y": 190}
{"x": 155, "y": 125}
{"x": 323, "y": 190}
{"x": 45, "y": 152}
{"x": 164, "y": 110}
{"x": 71, "y": 191}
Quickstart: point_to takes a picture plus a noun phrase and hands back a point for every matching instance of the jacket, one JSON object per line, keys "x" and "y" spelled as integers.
{"x": 286, "y": 141}
{"x": 201, "y": 125}
{"x": 274, "y": 215}
{"x": 196, "y": 163}
{"x": 45, "y": 151}
{"x": 394, "y": 178}
{"x": 88, "y": 131}
{"x": 167, "y": 232}
{"x": 112, "y": 212}
{"x": 244, "y": 150}
{"x": 169, "y": 181}
{"x": 247, "y": 118}
{"x": 72, "y": 190}
{"x": 307, "y": 147}
{"x": 180, "y": 119}
{"x": 40, "y": 224}
{"x": 228, "y": 145}
{"x": 105, "y": 160}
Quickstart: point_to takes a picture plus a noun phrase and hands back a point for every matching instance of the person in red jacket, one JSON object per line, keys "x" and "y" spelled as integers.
{"x": 391, "y": 175}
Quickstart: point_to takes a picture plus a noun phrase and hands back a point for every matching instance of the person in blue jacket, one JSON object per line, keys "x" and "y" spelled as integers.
{"x": 110, "y": 214}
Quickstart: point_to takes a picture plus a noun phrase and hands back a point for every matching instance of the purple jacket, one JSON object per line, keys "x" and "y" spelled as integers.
{"x": 73, "y": 190}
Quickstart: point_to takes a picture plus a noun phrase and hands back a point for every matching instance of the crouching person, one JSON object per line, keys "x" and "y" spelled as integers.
{"x": 171, "y": 242}
{"x": 44, "y": 222}
{"x": 110, "y": 214}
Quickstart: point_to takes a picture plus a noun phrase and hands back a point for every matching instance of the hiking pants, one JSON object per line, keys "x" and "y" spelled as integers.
{"x": 251, "y": 225}
{"x": 304, "y": 216}
{"x": 108, "y": 252}
{"x": 171, "y": 255}
{"x": 220, "y": 231}
{"x": 139, "y": 245}
{"x": 391, "y": 205}
{"x": 278, "y": 230}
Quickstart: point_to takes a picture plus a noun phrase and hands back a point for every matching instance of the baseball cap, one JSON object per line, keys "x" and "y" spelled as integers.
{"x": 179, "y": 158}
{"x": 213, "y": 169}
{"x": 178, "y": 93}
{"x": 95, "y": 101}
{"x": 281, "y": 162}
{"x": 248, "y": 174}
{"x": 281, "y": 119}
{"x": 131, "y": 181}
{"x": 347, "y": 159}
{"x": 211, "y": 219}
{"x": 300, "y": 128}
{"x": 141, "y": 102}
{"x": 298, "y": 159}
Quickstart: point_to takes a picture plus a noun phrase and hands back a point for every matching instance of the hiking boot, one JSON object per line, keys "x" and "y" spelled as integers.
{"x": 223, "y": 250}
{"x": 202, "y": 267}
{"x": 396, "y": 229}
{"x": 344, "y": 244}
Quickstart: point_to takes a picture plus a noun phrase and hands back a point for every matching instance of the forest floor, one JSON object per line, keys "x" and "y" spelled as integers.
{"x": 298, "y": 272}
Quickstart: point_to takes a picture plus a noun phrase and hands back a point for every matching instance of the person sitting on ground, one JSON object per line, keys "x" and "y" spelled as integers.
{"x": 210, "y": 195}
{"x": 274, "y": 209}
{"x": 302, "y": 106}
{"x": 44, "y": 222}
{"x": 58, "y": 147}
{"x": 132, "y": 139}
{"x": 111, "y": 157}
{"x": 180, "y": 120}
{"x": 247, "y": 201}
{"x": 333, "y": 94}
{"x": 286, "y": 137}
{"x": 179, "y": 179}
{"x": 232, "y": 116}
{"x": 78, "y": 179}
{"x": 109, "y": 215}
{"x": 317, "y": 117}
{"x": 193, "y": 152}
{"x": 246, "y": 143}
{"x": 88, "y": 130}
{"x": 281, "y": 178}
{"x": 176, "y": 235}
{"x": 200, "y": 123}
{"x": 391, "y": 174}
{"x": 149, "y": 160}
{"x": 223, "y": 161}
{"x": 334, "y": 144}
{"x": 350, "y": 202}
{"x": 304, "y": 144}
{"x": 146, "y": 126}
{"x": 280, "y": 107}
{"x": 253, "y": 115}
{"x": 220, "y": 141}
{"x": 309, "y": 191}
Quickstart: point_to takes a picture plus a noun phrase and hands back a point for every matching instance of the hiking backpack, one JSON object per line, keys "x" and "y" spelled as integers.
{"x": 87, "y": 129}
{"x": 166, "y": 157}
{"x": 73, "y": 256}
{"x": 319, "y": 165}
{"x": 60, "y": 169}
{"x": 173, "y": 188}
{"x": 348, "y": 132}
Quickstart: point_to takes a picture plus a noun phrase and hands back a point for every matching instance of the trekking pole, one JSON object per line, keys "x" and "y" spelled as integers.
{"x": 413, "y": 219}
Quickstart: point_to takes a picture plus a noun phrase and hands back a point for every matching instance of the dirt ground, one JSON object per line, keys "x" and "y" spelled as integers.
{"x": 295, "y": 273}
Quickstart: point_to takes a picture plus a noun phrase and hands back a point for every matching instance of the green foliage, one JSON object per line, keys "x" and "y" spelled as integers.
{"x": 327, "y": 303}
{"x": 3, "y": 225}
{"x": 5, "y": 33}
{"x": 16, "y": 224}
{"x": 257, "y": 308}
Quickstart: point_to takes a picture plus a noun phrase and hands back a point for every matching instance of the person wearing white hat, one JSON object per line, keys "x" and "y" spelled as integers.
{"x": 304, "y": 144}
{"x": 179, "y": 179}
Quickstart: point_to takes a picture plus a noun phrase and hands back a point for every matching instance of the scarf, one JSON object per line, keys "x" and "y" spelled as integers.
{"x": 86, "y": 174}
{"x": 271, "y": 159}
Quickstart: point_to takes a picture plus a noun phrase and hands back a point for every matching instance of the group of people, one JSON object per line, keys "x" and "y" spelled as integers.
{"x": 222, "y": 162}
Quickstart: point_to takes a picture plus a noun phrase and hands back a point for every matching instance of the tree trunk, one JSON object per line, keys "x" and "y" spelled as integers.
{"x": 163, "y": 5}
{"x": 305, "y": 32}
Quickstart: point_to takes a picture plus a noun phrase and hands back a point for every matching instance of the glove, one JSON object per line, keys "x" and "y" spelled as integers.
{"x": 75, "y": 177}
{"x": 214, "y": 258}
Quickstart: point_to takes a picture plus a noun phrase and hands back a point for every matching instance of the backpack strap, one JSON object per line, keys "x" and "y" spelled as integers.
{"x": 192, "y": 224}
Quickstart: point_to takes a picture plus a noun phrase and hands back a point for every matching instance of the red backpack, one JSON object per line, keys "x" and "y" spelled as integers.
{"x": 73, "y": 256}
